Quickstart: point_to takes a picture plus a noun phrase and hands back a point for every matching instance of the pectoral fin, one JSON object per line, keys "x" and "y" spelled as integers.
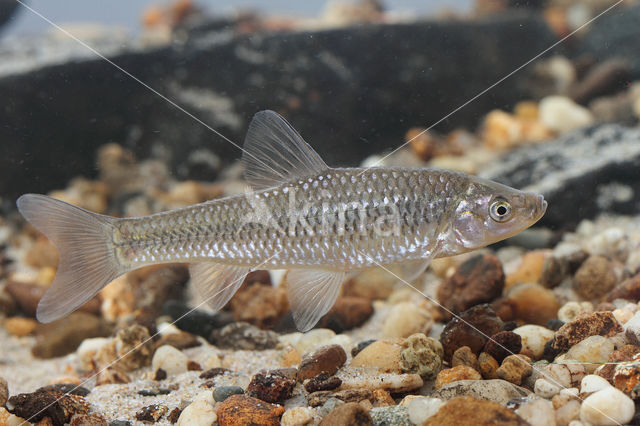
{"x": 409, "y": 271}
{"x": 217, "y": 283}
{"x": 312, "y": 292}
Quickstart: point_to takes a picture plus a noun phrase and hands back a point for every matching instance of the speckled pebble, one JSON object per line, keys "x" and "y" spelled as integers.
{"x": 487, "y": 366}
{"x": 4, "y": 392}
{"x": 594, "y": 278}
{"x": 594, "y": 324}
{"x": 423, "y": 355}
{"x": 514, "y": 369}
{"x": 198, "y": 413}
{"x": 420, "y": 409}
{"x": 392, "y": 415}
{"x": 571, "y": 310}
{"x": 242, "y": 410}
{"x": 608, "y": 406}
{"x": 170, "y": 360}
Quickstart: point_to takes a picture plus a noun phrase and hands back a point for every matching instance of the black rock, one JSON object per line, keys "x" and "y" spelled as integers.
{"x": 582, "y": 174}
{"x": 350, "y": 91}
{"x": 196, "y": 322}
{"x": 66, "y": 388}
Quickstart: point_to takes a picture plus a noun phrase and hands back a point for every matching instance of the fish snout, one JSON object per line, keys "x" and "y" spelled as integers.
{"x": 540, "y": 207}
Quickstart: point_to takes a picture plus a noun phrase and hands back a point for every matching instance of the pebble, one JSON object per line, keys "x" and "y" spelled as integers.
{"x": 347, "y": 313}
{"x": 479, "y": 279}
{"x": 592, "y": 383}
{"x": 93, "y": 419}
{"x": 595, "y": 278}
{"x": 180, "y": 340}
{"x": 406, "y": 319}
{"x": 20, "y": 326}
{"x": 240, "y": 410}
{"x": 420, "y": 409}
{"x": 458, "y": 333}
{"x": 572, "y": 310}
{"x": 385, "y": 355}
{"x": 568, "y": 412}
{"x": 350, "y": 413}
{"x": 460, "y": 372}
{"x": 271, "y": 386}
{"x": 568, "y": 375}
{"x": 488, "y": 366}
{"x": 466, "y": 411}
{"x": 534, "y": 304}
{"x": 561, "y": 114}
{"x": 632, "y": 329}
{"x": 594, "y": 324}
{"x": 244, "y": 336}
{"x": 325, "y": 359}
{"x": 66, "y": 334}
{"x": 546, "y": 388}
{"x": 423, "y": 355}
{"x": 322, "y": 382}
{"x": 628, "y": 289}
{"x": 4, "y": 392}
{"x": 133, "y": 348}
{"x": 391, "y": 415}
{"x": 151, "y": 413}
{"x": 534, "y": 338}
{"x": 372, "y": 284}
{"x": 539, "y": 412}
{"x": 197, "y": 322}
{"x": 627, "y": 376}
{"x": 503, "y": 344}
{"x": 198, "y": 413}
{"x": 360, "y": 346}
{"x": 624, "y": 354}
{"x": 260, "y": 305}
{"x": 220, "y": 393}
{"x": 297, "y": 416}
{"x": 306, "y": 342}
{"x": 170, "y": 360}
{"x": 328, "y": 406}
{"x": 514, "y": 369}
{"x": 594, "y": 349}
{"x": 495, "y": 390}
{"x": 43, "y": 403}
{"x": 464, "y": 356}
{"x": 530, "y": 268}
{"x": 554, "y": 271}
{"x": 608, "y": 406}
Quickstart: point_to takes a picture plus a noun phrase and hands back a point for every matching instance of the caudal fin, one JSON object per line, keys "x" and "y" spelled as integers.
{"x": 87, "y": 259}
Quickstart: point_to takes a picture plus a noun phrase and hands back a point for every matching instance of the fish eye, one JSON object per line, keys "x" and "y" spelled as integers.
{"x": 500, "y": 210}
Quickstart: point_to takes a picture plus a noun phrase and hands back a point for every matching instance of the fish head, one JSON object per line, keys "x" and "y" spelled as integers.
{"x": 489, "y": 212}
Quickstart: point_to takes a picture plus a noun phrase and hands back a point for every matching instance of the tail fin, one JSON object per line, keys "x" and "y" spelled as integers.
{"x": 87, "y": 259}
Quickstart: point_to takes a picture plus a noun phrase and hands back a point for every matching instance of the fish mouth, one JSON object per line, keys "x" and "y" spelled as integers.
{"x": 541, "y": 207}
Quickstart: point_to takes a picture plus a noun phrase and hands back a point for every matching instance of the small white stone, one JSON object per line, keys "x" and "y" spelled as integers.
{"x": 570, "y": 310}
{"x": 297, "y": 416}
{"x": 313, "y": 339}
{"x": 611, "y": 240}
{"x": 576, "y": 423}
{"x": 561, "y": 114}
{"x": 568, "y": 412}
{"x": 632, "y": 328}
{"x": 539, "y": 412}
{"x": 534, "y": 337}
{"x": 342, "y": 340}
{"x": 608, "y": 406}
{"x": 622, "y": 315}
{"x": 593, "y": 349}
{"x": 593, "y": 383}
{"x": 570, "y": 392}
{"x": 545, "y": 388}
{"x": 170, "y": 360}
{"x": 165, "y": 328}
{"x": 566, "y": 375}
{"x": 211, "y": 361}
{"x": 405, "y": 319}
{"x": 206, "y": 396}
{"x": 88, "y": 349}
{"x": 420, "y": 409}
{"x": 198, "y": 413}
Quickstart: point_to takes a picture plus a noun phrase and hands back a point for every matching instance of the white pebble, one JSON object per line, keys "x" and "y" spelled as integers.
{"x": 570, "y": 310}
{"x": 405, "y": 319}
{"x": 534, "y": 337}
{"x": 609, "y": 241}
{"x": 622, "y": 315}
{"x": 198, "y": 413}
{"x": 420, "y": 409}
{"x": 566, "y": 375}
{"x": 165, "y": 328}
{"x": 561, "y": 114}
{"x": 593, "y": 349}
{"x": 593, "y": 383}
{"x": 568, "y": 412}
{"x": 632, "y": 328}
{"x": 88, "y": 349}
{"x": 297, "y": 416}
{"x": 313, "y": 339}
{"x": 170, "y": 360}
{"x": 608, "y": 406}
{"x": 570, "y": 392}
{"x": 545, "y": 388}
{"x": 539, "y": 412}
{"x": 211, "y": 361}
{"x": 342, "y": 340}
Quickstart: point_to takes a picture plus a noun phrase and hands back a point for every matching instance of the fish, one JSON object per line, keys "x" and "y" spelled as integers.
{"x": 317, "y": 222}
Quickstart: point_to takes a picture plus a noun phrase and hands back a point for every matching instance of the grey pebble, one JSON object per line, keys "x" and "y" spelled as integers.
{"x": 221, "y": 393}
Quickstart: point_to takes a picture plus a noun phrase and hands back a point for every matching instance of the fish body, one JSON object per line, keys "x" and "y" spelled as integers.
{"x": 318, "y": 222}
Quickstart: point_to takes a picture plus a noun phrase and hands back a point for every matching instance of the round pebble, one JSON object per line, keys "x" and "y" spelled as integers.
{"x": 198, "y": 413}
{"x": 220, "y": 393}
{"x": 170, "y": 360}
{"x": 312, "y": 339}
{"x": 539, "y": 412}
{"x": 593, "y": 349}
{"x": 406, "y": 319}
{"x": 608, "y": 406}
{"x": 593, "y": 383}
{"x": 570, "y": 310}
{"x": 297, "y": 416}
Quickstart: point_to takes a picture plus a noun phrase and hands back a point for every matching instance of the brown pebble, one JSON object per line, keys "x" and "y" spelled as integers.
{"x": 624, "y": 354}
{"x": 595, "y": 278}
{"x": 464, "y": 356}
{"x": 174, "y": 415}
{"x": 19, "y": 326}
{"x": 466, "y": 411}
{"x": 181, "y": 340}
{"x": 629, "y": 289}
{"x": 291, "y": 357}
{"x": 65, "y": 335}
{"x": 534, "y": 304}
{"x": 243, "y": 410}
{"x": 4, "y": 392}
{"x": 151, "y": 413}
{"x": 470, "y": 329}
{"x": 134, "y": 347}
{"x": 554, "y": 270}
{"x": 514, "y": 369}
{"x": 193, "y": 366}
{"x": 322, "y": 382}
{"x": 213, "y": 372}
{"x": 503, "y": 344}
{"x": 347, "y": 313}
{"x": 260, "y": 305}
{"x": 93, "y": 419}
{"x": 478, "y": 280}
{"x": 271, "y": 386}
{"x": 160, "y": 374}
{"x": 37, "y": 405}
{"x": 382, "y": 398}
{"x": 327, "y": 358}
{"x": 351, "y": 413}
{"x": 27, "y": 296}
{"x": 594, "y": 324}
{"x": 488, "y": 366}
{"x": 459, "y": 372}
{"x": 318, "y": 398}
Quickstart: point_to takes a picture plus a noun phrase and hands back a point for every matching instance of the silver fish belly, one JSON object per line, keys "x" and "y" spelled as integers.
{"x": 318, "y": 222}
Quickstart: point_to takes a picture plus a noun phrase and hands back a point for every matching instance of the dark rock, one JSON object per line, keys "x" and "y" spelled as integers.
{"x": 554, "y": 324}
{"x": 553, "y": 272}
{"x": 629, "y": 289}
{"x": 180, "y": 341}
{"x": 594, "y": 278}
{"x": 503, "y": 344}
{"x": 134, "y": 347}
{"x": 120, "y": 423}
{"x": 93, "y": 419}
{"x": 66, "y": 388}
{"x": 271, "y": 386}
{"x": 214, "y": 372}
{"x": 316, "y": 399}
{"x": 327, "y": 358}
{"x": 589, "y": 168}
{"x": 245, "y": 410}
{"x": 470, "y": 329}
{"x": 602, "y": 79}
{"x": 8, "y": 304}
{"x": 160, "y": 374}
{"x": 550, "y": 352}
{"x": 220, "y": 393}
{"x": 468, "y": 411}
{"x": 243, "y": 336}
{"x": 154, "y": 392}
{"x": 196, "y": 322}
{"x": 350, "y": 413}
{"x": 360, "y": 346}
{"x": 478, "y": 280}
{"x": 65, "y": 335}
{"x": 509, "y": 325}
{"x": 151, "y": 413}
{"x": 281, "y": 70}
{"x": 594, "y": 324}
{"x": 347, "y": 313}
{"x": 28, "y": 295}
{"x": 322, "y": 382}
{"x": 193, "y": 366}
{"x": 59, "y": 407}
{"x": 174, "y": 415}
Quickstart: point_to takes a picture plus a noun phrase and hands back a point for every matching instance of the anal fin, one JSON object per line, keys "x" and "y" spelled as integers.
{"x": 312, "y": 293}
{"x": 217, "y": 283}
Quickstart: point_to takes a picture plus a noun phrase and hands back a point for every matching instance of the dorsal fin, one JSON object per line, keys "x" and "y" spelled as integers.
{"x": 275, "y": 153}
